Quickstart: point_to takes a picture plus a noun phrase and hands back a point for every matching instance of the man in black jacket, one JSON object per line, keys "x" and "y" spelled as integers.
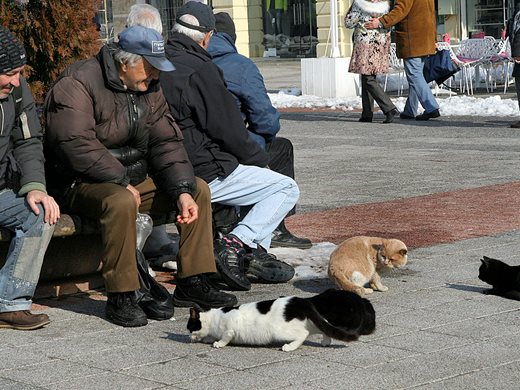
{"x": 25, "y": 207}
{"x": 109, "y": 133}
{"x": 223, "y": 154}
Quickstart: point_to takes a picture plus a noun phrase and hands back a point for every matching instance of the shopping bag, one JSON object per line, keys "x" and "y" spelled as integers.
{"x": 439, "y": 67}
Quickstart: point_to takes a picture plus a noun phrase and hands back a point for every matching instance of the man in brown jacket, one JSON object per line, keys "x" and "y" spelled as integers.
{"x": 108, "y": 128}
{"x": 415, "y": 35}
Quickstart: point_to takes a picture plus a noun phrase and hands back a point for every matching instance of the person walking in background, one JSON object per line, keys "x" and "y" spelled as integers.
{"x": 415, "y": 36}
{"x": 245, "y": 82}
{"x": 25, "y": 207}
{"x": 513, "y": 32}
{"x": 370, "y": 56}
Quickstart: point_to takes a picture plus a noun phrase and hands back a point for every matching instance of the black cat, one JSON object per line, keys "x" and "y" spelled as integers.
{"x": 504, "y": 278}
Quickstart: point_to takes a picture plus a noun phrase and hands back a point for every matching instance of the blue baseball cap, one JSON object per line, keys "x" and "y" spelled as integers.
{"x": 148, "y": 43}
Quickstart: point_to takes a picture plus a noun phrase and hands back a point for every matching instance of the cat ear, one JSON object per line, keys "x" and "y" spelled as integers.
{"x": 194, "y": 313}
{"x": 403, "y": 252}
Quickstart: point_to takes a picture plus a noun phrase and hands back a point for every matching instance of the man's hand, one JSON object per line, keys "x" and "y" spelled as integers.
{"x": 135, "y": 193}
{"x": 51, "y": 208}
{"x": 188, "y": 209}
{"x": 372, "y": 23}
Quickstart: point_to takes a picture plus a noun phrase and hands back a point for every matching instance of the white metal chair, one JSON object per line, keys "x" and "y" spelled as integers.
{"x": 475, "y": 53}
{"x": 501, "y": 60}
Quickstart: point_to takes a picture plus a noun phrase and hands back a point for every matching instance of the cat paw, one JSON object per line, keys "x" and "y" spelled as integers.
{"x": 382, "y": 288}
{"x": 289, "y": 347}
{"x": 219, "y": 344}
{"x": 368, "y": 290}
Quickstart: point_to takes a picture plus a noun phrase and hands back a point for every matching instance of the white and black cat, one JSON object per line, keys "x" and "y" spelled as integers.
{"x": 504, "y": 278}
{"x": 341, "y": 315}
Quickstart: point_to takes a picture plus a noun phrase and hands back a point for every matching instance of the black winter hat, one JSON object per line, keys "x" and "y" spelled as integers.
{"x": 202, "y": 12}
{"x": 225, "y": 24}
{"x": 12, "y": 52}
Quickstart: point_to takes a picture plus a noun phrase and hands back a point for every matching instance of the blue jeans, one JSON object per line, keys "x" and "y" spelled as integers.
{"x": 419, "y": 91}
{"x": 21, "y": 271}
{"x": 271, "y": 196}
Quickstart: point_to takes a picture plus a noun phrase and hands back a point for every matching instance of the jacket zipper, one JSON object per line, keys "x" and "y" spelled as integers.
{"x": 3, "y": 119}
{"x": 133, "y": 114}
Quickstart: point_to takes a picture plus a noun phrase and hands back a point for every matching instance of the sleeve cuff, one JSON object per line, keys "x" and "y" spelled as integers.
{"x": 33, "y": 186}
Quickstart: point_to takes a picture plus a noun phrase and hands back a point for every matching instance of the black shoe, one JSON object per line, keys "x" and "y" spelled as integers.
{"x": 263, "y": 267}
{"x": 283, "y": 238}
{"x": 428, "y": 115}
{"x": 229, "y": 253}
{"x": 365, "y": 119}
{"x": 195, "y": 291}
{"x": 123, "y": 310}
{"x": 390, "y": 115}
{"x": 404, "y": 116}
{"x": 515, "y": 125}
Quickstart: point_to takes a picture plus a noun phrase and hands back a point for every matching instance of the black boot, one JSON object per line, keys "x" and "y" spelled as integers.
{"x": 263, "y": 267}
{"x": 283, "y": 238}
{"x": 195, "y": 291}
{"x": 122, "y": 309}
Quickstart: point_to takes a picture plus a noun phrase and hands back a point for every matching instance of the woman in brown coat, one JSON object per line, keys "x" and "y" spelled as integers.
{"x": 415, "y": 33}
{"x": 370, "y": 56}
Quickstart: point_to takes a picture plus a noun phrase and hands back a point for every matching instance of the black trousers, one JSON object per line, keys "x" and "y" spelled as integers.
{"x": 370, "y": 91}
{"x": 281, "y": 159}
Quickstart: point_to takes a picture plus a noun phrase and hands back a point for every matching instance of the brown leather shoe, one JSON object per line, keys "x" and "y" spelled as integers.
{"x": 515, "y": 125}
{"x": 23, "y": 320}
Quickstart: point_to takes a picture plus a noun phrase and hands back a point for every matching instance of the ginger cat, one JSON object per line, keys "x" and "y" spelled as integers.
{"x": 357, "y": 260}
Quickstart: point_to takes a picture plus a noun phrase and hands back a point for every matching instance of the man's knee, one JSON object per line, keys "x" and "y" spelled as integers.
{"x": 120, "y": 204}
{"x": 280, "y": 145}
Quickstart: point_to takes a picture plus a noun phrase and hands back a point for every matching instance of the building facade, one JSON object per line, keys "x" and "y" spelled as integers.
{"x": 300, "y": 28}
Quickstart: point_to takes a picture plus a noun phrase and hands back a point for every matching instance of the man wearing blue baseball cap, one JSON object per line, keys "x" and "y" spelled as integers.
{"x": 114, "y": 150}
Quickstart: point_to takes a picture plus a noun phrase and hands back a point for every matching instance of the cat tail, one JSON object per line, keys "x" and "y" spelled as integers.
{"x": 329, "y": 330}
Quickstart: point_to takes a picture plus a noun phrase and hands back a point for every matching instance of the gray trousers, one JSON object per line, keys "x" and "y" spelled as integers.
{"x": 370, "y": 91}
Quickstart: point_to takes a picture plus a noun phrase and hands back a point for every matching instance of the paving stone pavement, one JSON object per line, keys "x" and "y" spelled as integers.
{"x": 435, "y": 328}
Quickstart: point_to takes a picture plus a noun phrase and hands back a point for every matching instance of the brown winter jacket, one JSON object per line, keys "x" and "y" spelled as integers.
{"x": 88, "y": 111}
{"x": 415, "y": 27}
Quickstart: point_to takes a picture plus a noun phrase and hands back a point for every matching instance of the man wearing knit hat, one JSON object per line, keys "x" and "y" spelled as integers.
{"x": 116, "y": 151}
{"x": 244, "y": 81}
{"x": 223, "y": 154}
{"x": 25, "y": 207}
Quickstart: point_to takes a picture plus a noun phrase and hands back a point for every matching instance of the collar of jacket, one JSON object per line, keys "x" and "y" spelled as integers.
{"x": 180, "y": 42}
{"x": 221, "y": 44}
{"x": 373, "y": 7}
{"x": 111, "y": 72}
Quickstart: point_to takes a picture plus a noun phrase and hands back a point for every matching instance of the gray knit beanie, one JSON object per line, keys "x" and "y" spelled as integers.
{"x": 12, "y": 52}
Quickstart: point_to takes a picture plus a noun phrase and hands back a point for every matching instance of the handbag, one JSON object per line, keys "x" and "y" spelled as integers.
{"x": 439, "y": 67}
{"x": 152, "y": 297}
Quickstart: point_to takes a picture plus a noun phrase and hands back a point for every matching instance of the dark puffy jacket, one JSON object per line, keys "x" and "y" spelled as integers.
{"x": 246, "y": 83}
{"x": 88, "y": 111}
{"x": 214, "y": 132}
{"x": 21, "y": 151}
